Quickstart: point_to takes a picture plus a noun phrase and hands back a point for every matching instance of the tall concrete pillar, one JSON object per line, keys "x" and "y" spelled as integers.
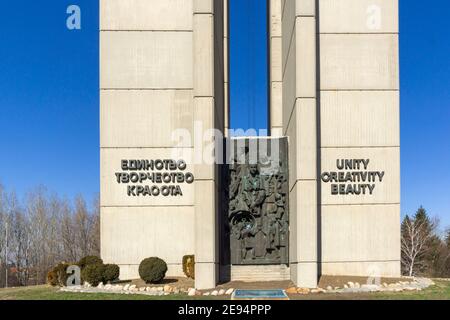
{"x": 359, "y": 119}
{"x": 341, "y": 103}
{"x": 300, "y": 125}
{"x": 209, "y": 86}
{"x": 161, "y": 69}
{"x": 146, "y": 92}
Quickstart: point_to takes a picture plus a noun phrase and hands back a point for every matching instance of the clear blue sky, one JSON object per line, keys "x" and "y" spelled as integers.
{"x": 49, "y": 123}
{"x": 248, "y": 64}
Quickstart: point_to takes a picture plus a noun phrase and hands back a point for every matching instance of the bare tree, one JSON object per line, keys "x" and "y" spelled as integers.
{"x": 54, "y": 236}
{"x": 68, "y": 236}
{"x": 3, "y": 218}
{"x": 82, "y": 226}
{"x": 20, "y": 248}
{"x": 37, "y": 213}
{"x": 95, "y": 228}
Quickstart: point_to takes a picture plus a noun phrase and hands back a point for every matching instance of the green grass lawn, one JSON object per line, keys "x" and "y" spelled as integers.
{"x": 51, "y": 293}
{"x": 440, "y": 291}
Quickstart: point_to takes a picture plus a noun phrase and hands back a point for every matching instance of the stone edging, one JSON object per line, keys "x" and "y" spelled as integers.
{"x": 417, "y": 284}
{"x": 150, "y": 291}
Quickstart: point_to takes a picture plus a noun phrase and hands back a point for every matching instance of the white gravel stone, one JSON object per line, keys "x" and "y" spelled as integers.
{"x": 215, "y": 293}
{"x": 192, "y": 292}
{"x": 229, "y": 291}
{"x": 370, "y": 287}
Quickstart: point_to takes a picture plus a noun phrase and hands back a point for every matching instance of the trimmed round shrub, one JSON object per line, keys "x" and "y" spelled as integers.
{"x": 93, "y": 274}
{"x": 152, "y": 270}
{"x": 111, "y": 272}
{"x": 89, "y": 260}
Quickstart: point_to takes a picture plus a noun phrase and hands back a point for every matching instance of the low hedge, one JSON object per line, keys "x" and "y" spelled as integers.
{"x": 96, "y": 273}
{"x": 58, "y": 275}
{"x": 91, "y": 272}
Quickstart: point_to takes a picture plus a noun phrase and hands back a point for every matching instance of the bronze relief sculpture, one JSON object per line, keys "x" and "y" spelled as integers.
{"x": 258, "y": 217}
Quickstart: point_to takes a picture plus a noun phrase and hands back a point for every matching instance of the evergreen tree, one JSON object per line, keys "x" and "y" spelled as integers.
{"x": 428, "y": 256}
{"x": 421, "y": 217}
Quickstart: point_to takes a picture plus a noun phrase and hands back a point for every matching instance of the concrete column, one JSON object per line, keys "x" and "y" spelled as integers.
{"x": 299, "y": 119}
{"x": 209, "y": 87}
{"x": 276, "y": 73}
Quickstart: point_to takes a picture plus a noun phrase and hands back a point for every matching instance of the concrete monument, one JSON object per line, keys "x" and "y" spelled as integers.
{"x": 332, "y": 206}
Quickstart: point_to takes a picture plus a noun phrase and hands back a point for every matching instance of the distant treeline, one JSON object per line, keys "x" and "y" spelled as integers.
{"x": 42, "y": 230}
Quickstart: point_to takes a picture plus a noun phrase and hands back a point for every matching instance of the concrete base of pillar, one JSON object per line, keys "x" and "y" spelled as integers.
{"x": 305, "y": 274}
{"x": 206, "y": 275}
